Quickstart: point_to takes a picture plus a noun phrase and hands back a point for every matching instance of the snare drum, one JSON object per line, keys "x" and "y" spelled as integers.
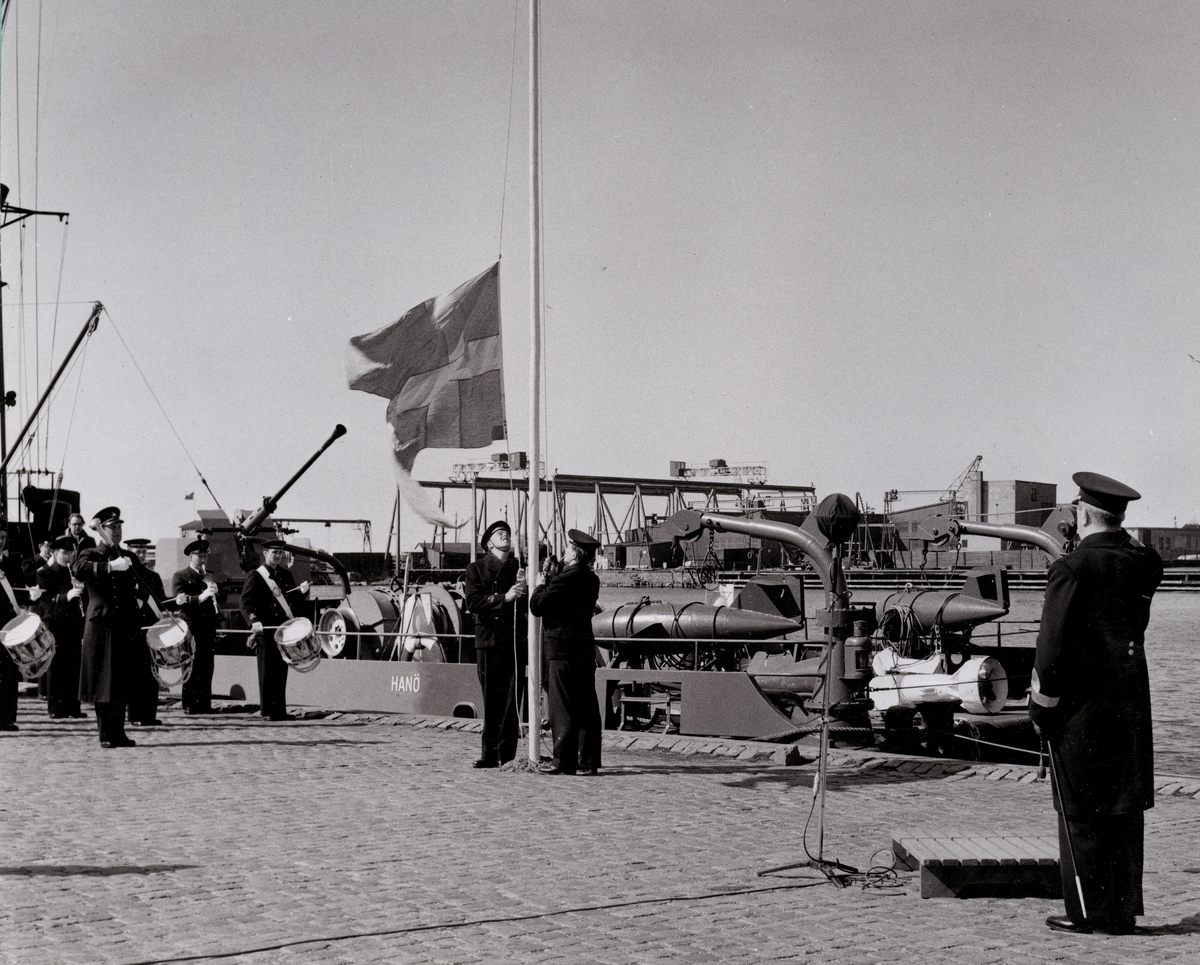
{"x": 30, "y": 644}
{"x": 298, "y": 644}
{"x": 173, "y": 649}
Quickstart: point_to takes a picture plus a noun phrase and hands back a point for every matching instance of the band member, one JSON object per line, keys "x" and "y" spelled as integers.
{"x": 1090, "y": 698}
{"x": 31, "y": 566}
{"x": 112, "y": 632}
{"x": 269, "y": 597}
{"x": 195, "y": 593}
{"x": 61, "y": 607}
{"x": 12, "y": 580}
{"x": 566, "y": 602}
{"x": 495, "y": 584}
{"x": 143, "y": 707}
{"x": 79, "y": 535}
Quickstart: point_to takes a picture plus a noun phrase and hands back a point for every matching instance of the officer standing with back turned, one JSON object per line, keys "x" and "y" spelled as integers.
{"x": 1090, "y": 699}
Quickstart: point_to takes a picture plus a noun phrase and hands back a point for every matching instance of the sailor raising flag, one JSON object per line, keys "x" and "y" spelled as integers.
{"x": 440, "y": 368}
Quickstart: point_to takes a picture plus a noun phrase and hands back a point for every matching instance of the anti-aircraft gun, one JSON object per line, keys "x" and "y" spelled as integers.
{"x": 233, "y": 546}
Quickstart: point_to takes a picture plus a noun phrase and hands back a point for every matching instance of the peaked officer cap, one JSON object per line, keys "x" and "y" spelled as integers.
{"x": 487, "y": 533}
{"x": 583, "y": 540}
{"x": 196, "y": 546}
{"x": 1103, "y": 492}
{"x": 107, "y": 516}
{"x": 63, "y": 543}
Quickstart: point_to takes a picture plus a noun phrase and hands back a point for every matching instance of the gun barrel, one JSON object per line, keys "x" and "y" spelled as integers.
{"x": 251, "y": 526}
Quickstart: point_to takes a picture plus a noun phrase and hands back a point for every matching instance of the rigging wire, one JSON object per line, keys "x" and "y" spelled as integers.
{"x": 54, "y": 328}
{"x": 512, "y": 80}
{"x": 163, "y": 411}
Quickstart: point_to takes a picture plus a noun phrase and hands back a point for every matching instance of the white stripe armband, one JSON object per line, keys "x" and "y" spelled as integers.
{"x": 1039, "y": 698}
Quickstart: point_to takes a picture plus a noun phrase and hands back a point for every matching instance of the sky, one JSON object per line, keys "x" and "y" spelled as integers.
{"x": 859, "y": 243}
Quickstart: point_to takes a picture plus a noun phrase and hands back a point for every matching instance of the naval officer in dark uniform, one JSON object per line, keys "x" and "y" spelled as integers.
{"x": 269, "y": 598}
{"x": 195, "y": 593}
{"x": 112, "y": 632}
{"x": 1090, "y": 698}
{"x": 566, "y": 602}
{"x": 495, "y": 586}
{"x": 143, "y": 706}
{"x": 61, "y": 608}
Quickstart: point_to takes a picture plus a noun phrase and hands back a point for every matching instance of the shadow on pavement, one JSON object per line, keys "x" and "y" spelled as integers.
{"x": 89, "y": 870}
{"x": 1186, "y": 926}
{"x": 751, "y": 776}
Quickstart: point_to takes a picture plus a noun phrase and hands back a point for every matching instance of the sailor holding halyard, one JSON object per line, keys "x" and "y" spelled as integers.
{"x": 566, "y": 603}
{"x": 1090, "y": 697}
{"x": 495, "y": 585}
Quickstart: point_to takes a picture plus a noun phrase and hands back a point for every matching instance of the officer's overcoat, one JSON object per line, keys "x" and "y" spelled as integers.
{"x": 113, "y": 644}
{"x": 1091, "y": 660}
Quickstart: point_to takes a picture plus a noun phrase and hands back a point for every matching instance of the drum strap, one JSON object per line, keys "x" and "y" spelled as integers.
{"x": 12, "y": 597}
{"x": 279, "y": 597}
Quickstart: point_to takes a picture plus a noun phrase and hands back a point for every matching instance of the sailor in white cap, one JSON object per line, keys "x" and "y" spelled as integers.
{"x": 1090, "y": 699}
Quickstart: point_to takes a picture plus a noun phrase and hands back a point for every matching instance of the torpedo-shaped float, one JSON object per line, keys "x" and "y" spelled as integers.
{"x": 692, "y": 621}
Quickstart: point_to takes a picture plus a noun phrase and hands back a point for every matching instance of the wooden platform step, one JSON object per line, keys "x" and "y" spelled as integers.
{"x": 977, "y": 864}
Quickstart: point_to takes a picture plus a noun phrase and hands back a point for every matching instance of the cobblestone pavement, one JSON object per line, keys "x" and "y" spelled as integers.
{"x": 225, "y": 838}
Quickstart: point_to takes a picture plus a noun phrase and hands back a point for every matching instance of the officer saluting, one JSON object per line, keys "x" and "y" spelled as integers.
{"x": 1090, "y": 698}
{"x": 112, "y": 635}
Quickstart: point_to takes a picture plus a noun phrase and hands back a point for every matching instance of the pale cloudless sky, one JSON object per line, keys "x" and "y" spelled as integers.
{"x": 859, "y": 242}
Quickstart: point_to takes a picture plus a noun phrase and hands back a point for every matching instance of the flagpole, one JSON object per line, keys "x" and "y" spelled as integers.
{"x": 534, "y": 680}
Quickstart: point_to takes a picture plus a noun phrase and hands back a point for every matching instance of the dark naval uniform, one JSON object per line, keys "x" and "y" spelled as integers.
{"x": 112, "y": 641}
{"x": 63, "y": 617}
{"x": 500, "y": 629}
{"x": 202, "y": 620}
{"x": 1090, "y": 695}
{"x": 566, "y": 603}
{"x": 10, "y": 674}
{"x": 259, "y": 605}
{"x": 143, "y": 705}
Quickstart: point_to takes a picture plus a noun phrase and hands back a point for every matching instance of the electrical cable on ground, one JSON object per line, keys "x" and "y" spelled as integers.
{"x": 476, "y": 922}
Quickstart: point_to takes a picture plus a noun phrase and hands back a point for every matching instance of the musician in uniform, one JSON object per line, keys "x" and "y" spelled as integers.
{"x": 112, "y": 632}
{"x": 1090, "y": 699}
{"x": 78, "y": 535}
{"x": 12, "y": 580}
{"x": 143, "y": 707}
{"x": 566, "y": 602}
{"x": 61, "y": 608}
{"x": 495, "y": 584}
{"x": 270, "y": 596}
{"x": 43, "y": 557}
{"x": 195, "y": 593}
